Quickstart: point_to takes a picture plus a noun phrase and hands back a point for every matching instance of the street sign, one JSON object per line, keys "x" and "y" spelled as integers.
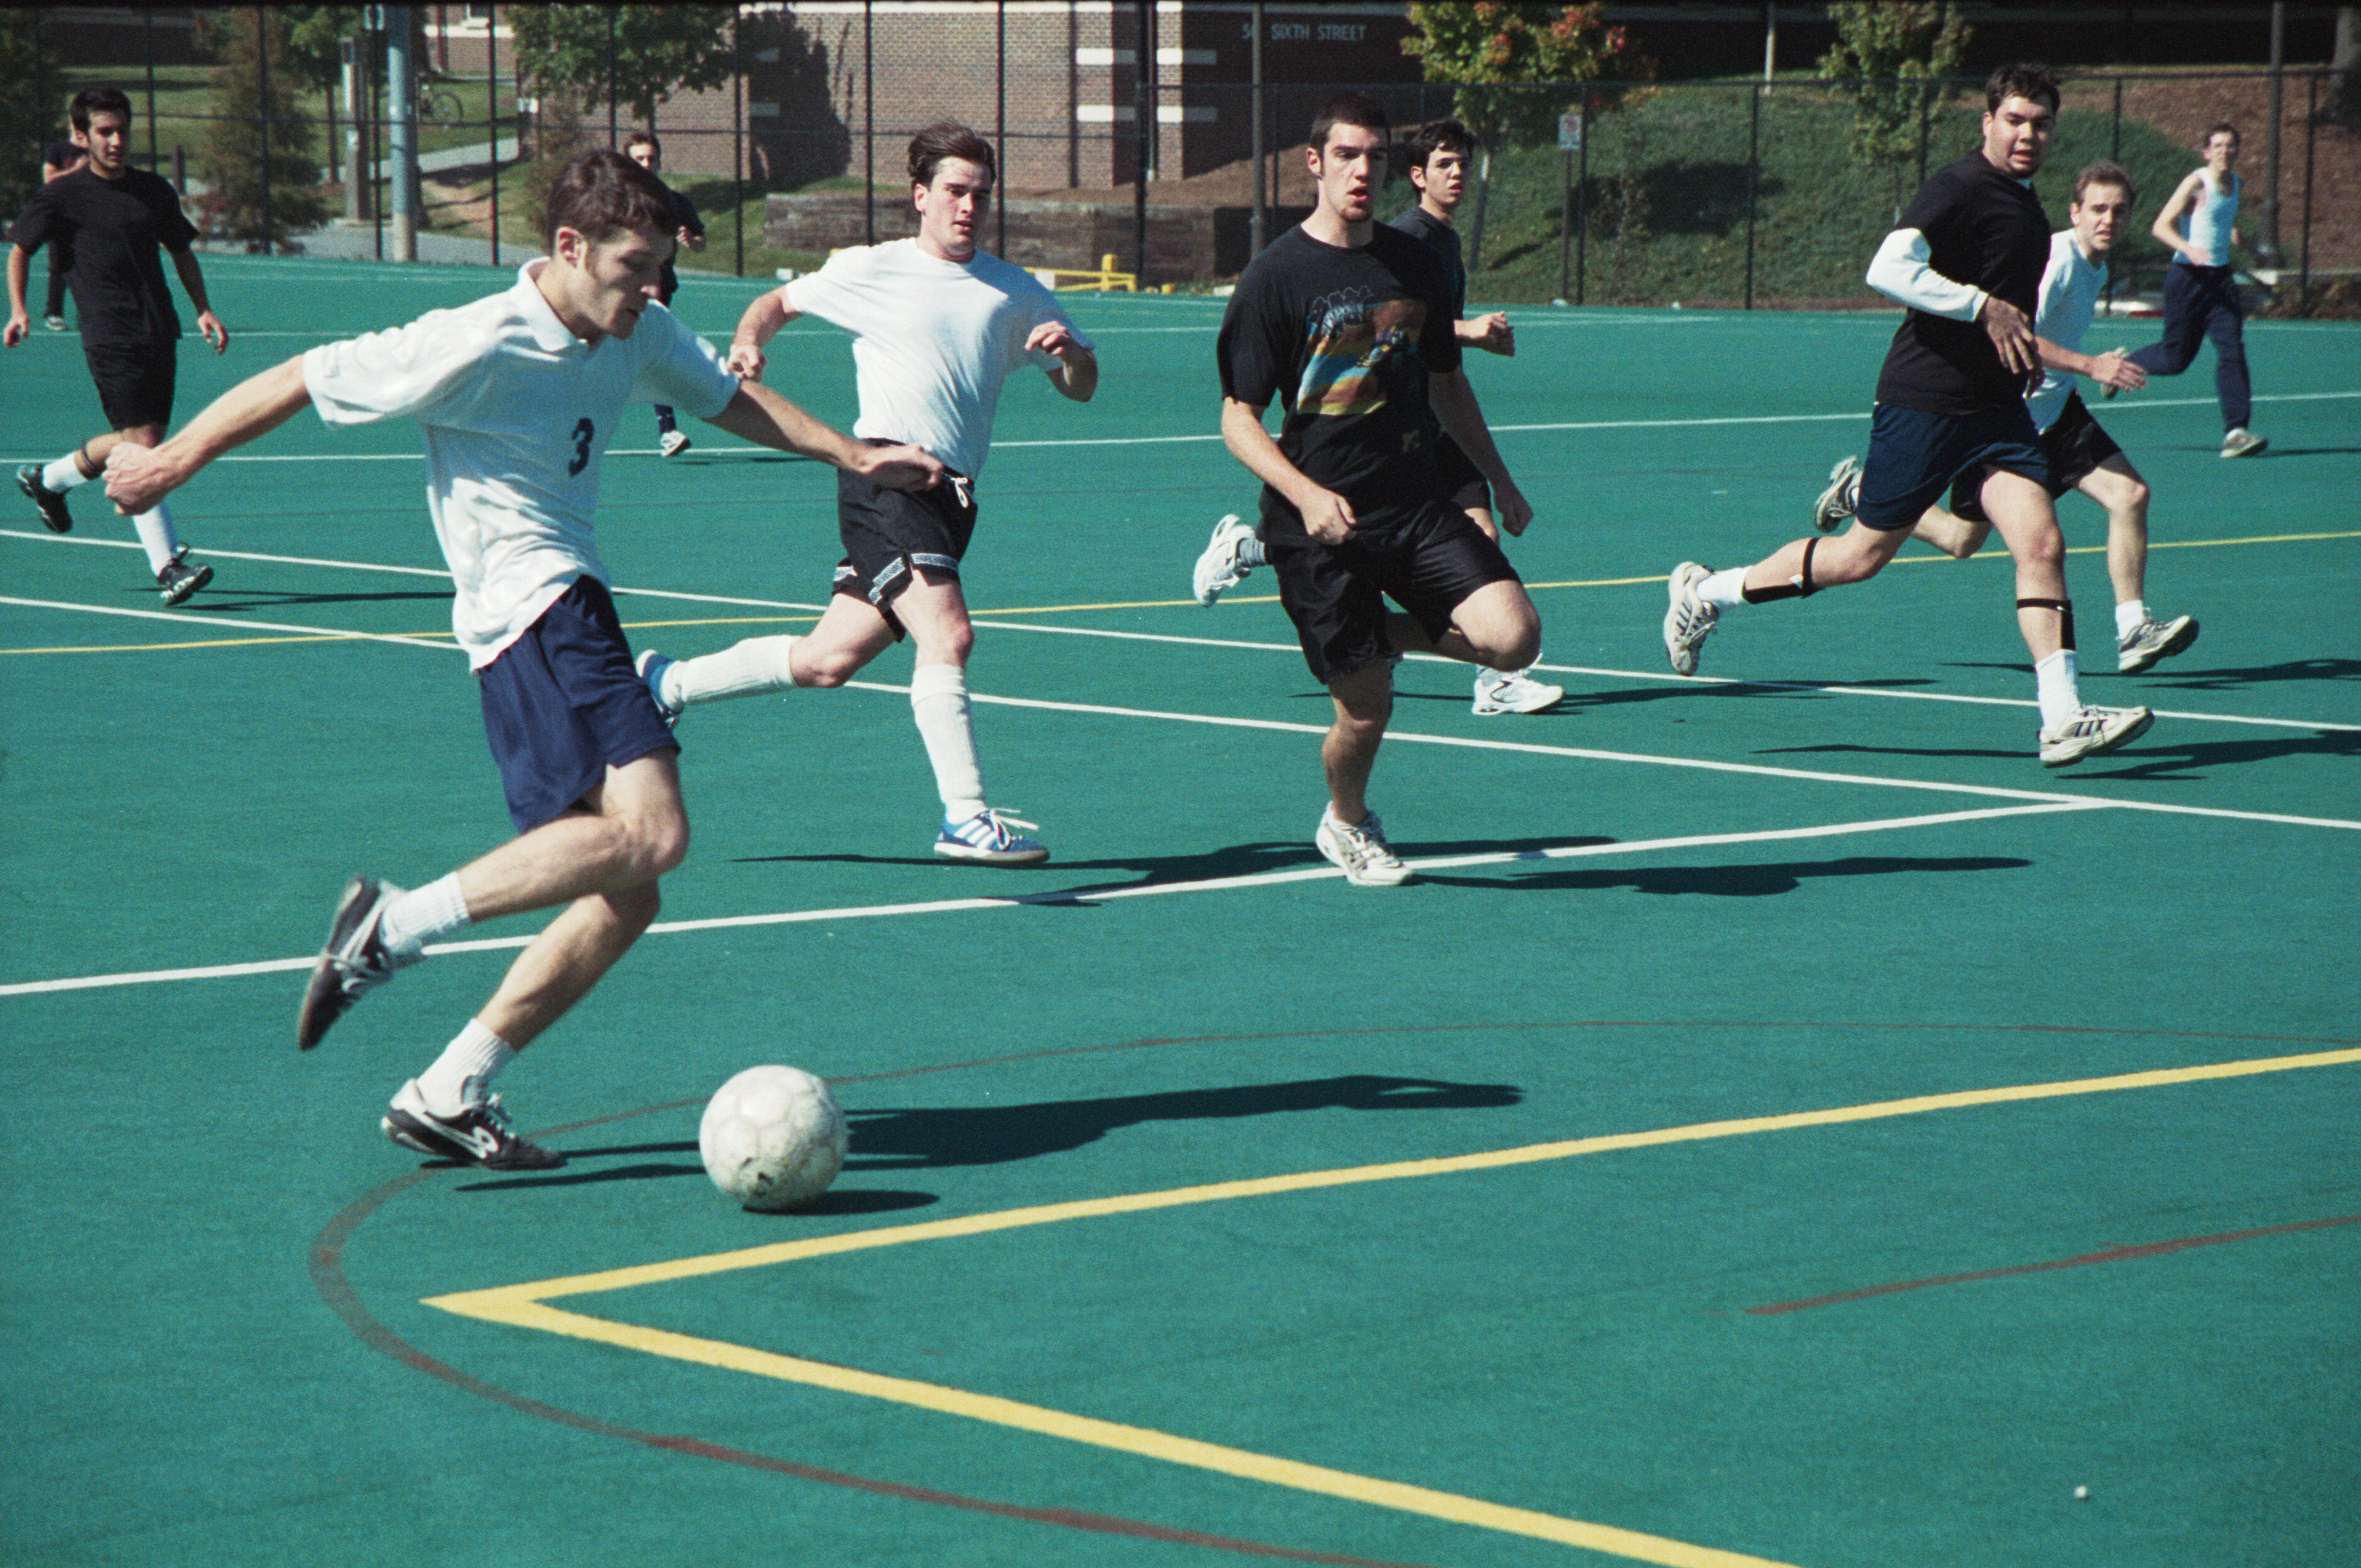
{"x": 1569, "y": 131}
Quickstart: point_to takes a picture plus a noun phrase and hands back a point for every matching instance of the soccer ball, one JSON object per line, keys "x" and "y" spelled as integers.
{"x": 772, "y": 1138}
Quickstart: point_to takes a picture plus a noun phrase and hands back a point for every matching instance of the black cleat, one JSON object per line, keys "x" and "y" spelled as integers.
{"x": 179, "y": 581}
{"x": 355, "y": 959}
{"x": 54, "y": 516}
{"x": 478, "y": 1134}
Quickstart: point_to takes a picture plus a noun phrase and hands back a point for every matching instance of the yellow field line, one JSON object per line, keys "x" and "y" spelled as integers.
{"x": 525, "y": 1305}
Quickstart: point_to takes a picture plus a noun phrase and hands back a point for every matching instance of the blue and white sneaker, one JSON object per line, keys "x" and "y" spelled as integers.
{"x": 652, "y": 666}
{"x": 985, "y": 837}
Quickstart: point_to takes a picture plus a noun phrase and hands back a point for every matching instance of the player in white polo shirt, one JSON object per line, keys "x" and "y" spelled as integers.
{"x": 517, "y": 395}
{"x": 2081, "y": 456}
{"x": 937, "y": 326}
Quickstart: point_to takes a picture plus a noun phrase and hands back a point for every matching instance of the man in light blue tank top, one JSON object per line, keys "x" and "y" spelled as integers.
{"x": 2200, "y": 298}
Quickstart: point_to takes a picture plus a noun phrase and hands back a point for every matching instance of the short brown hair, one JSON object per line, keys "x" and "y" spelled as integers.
{"x": 2104, "y": 173}
{"x": 2225, "y": 126}
{"x": 643, "y": 138}
{"x": 2031, "y": 82}
{"x": 97, "y": 101}
{"x": 1349, "y": 109}
{"x": 948, "y": 138}
{"x": 601, "y": 194}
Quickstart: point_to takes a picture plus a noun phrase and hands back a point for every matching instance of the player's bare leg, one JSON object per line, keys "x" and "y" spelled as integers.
{"x": 1496, "y": 626}
{"x": 1950, "y": 532}
{"x": 2028, "y": 524}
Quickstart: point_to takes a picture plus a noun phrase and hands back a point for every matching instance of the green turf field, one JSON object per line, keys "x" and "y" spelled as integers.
{"x": 1784, "y": 1123}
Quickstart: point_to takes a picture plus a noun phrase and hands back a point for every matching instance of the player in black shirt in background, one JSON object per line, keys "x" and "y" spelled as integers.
{"x": 1348, "y": 323}
{"x": 119, "y": 219}
{"x": 648, "y": 153}
{"x": 1967, "y": 260}
{"x": 60, "y": 157}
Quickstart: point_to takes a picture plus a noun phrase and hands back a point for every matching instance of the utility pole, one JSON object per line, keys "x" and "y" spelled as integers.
{"x": 402, "y": 131}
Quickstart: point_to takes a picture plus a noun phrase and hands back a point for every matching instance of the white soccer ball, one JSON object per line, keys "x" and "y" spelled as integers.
{"x": 772, "y": 1138}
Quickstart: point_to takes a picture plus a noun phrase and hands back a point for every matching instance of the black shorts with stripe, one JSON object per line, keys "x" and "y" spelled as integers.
{"x": 892, "y": 535}
{"x": 2075, "y": 445}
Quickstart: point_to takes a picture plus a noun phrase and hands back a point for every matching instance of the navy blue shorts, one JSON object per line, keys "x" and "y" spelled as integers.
{"x": 562, "y": 705}
{"x": 2074, "y": 445}
{"x": 1428, "y": 561}
{"x": 1914, "y": 455}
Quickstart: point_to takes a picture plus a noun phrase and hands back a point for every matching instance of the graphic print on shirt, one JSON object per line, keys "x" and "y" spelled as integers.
{"x": 1358, "y": 350}
{"x": 583, "y": 432}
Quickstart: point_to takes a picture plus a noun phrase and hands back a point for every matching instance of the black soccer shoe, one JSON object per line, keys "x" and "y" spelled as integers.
{"x": 54, "y": 516}
{"x": 355, "y": 959}
{"x": 179, "y": 581}
{"x": 478, "y": 1134}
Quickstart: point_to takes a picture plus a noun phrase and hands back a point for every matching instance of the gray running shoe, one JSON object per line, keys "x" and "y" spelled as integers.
{"x": 2091, "y": 731}
{"x": 2243, "y": 443}
{"x": 478, "y": 1134}
{"x": 54, "y": 516}
{"x": 1360, "y": 849}
{"x": 987, "y": 837}
{"x": 355, "y": 959}
{"x": 1218, "y": 567}
{"x": 1838, "y": 501}
{"x": 2152, "y": 639}
{"x": 1689, "y": 618}
{"x": 651, "y": 667}
{"x": 179, "y": 581}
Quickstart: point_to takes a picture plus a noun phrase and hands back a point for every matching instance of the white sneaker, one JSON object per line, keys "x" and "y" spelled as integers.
{"x": 650, "y": 668}
{"x": 672, "y": 442}
{"x": 985, "y": 837}
{"x": 1689, "y": 618}
{"x": 1840, "y": 499}
{"x": 2091, "y": 731}
{"x": 1362, "y": 851}
{"x": 2152, "y": 639}
{"x": 1218, "y": 567}
{"x": 1509, "y": 691}
{"x": 2243, "y": 443}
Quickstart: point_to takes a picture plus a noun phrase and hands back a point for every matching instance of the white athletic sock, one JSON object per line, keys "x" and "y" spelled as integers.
{"x": 156, "y": 537}
{"x": 462, "y": 1076}
{"x": 2129, "y": 614}
{"x": 745, "y": 669}
{"x": 62, "y": 475}
{"x": 1724, "y": 589}
{"x": 939, "y": 704}
{"x": 414, "y": 919}
{"x": 2056, "y": 688}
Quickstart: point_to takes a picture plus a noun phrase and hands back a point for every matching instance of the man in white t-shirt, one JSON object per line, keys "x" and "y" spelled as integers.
{"x": 2081, "y": 457}
{"x": 937, "y": 325}
{"x": 517, "y": 397}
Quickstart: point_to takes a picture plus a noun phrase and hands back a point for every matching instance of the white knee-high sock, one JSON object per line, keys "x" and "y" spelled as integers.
{"x": 156, "y": 537}
{"x": 745, "y": 669}
{"x": 939, "y": 706}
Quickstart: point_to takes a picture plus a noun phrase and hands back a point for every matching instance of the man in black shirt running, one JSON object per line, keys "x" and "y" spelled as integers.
{"x": 644, "y": 150}
{"x": 1348, "y": 323}
{"x": 118, "y": 219}
{"x": 1967, "y": 260}
{"x": 60, "y": 157}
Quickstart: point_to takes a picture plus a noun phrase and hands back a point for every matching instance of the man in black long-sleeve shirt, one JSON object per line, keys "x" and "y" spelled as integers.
{"x": 1967, "y": 260}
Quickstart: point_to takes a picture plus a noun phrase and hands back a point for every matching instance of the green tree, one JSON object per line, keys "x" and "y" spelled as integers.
{"x": 656, "y": 51}
{"x": 1498, "y": 51}
{"x": 1893, "y": 59}
{"x": 33, "y": 109}
{"x": 259, "y": 154}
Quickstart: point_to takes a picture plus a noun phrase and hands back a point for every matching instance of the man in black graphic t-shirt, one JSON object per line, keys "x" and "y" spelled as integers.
{"x": 1967, "y": 260}
{"x": 119, "y": 220}
{"x": 1348, "y": 324}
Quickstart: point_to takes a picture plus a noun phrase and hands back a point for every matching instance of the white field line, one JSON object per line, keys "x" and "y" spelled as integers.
{"x": 1085, "y": 895}
{"x": 216, "y": 623}
{"x": 1860, "y": 413}
{"x": 983, "y": 618}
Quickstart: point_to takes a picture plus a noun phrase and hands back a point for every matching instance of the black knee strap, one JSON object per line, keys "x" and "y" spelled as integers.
{"x": 90, "y": 470}
{"x": 1804, "y": 586}
{"x": 1800, "y": 586}
{"x": 2065, "y": 616}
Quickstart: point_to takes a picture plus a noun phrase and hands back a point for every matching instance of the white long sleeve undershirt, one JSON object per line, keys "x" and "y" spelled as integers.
{"x": 1901, "y": 273}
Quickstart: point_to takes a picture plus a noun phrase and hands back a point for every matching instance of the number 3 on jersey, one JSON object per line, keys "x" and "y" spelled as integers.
{"x": 583, "y": 431}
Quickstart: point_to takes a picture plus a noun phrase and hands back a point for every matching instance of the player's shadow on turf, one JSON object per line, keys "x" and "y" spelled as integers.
{"x": 836, "y": 1201}
{"x": 1726, "y": 881}
{"x": 1236, "y": 859}
{"x": 251, "y": 598}
{"x": 2178, "y": 677}
{"x": 996, "y": 1135}
{"x": 2152, "y": 756}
